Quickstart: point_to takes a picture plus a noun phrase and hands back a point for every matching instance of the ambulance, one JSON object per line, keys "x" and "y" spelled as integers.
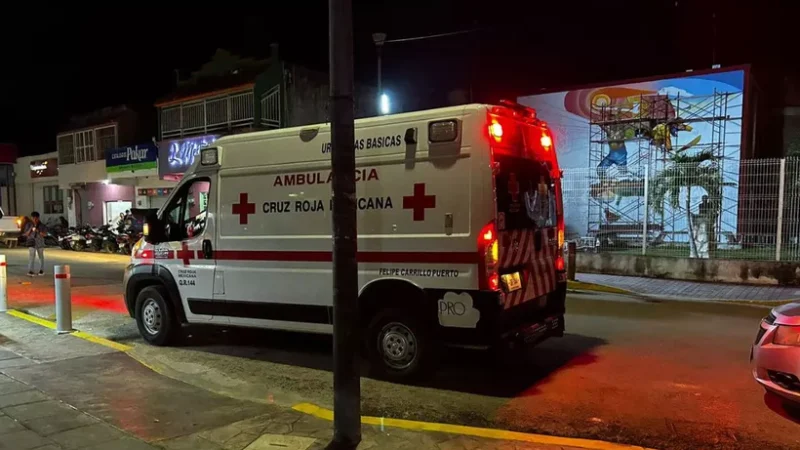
{"x": 460, "y": 236}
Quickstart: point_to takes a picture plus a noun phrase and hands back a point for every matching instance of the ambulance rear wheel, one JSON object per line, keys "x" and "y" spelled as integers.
{"x": 398, "y": 346}
{"x": 154, "y": 316}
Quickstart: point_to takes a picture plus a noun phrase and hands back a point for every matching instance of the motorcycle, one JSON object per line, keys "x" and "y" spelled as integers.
{"x": 96, "y": 239}
{"x": 65, "y": 241}
{"x": 109, "y": 239}
{"x": 127, "y": 240}
{"x": 80, "y": 239}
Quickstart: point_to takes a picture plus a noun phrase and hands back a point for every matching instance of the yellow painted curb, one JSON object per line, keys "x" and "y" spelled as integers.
{"x": 78, "y": 334}
{"x": 33, "y": 319}
{"x": 489, "y": 433}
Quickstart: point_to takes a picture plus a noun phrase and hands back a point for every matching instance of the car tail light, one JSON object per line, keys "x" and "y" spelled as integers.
{"x": 787, "y": 335}
{"x": 490, "y": 248}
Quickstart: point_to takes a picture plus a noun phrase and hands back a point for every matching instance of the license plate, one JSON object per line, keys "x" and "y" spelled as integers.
{"x": 88, "y": 241}
{"x": 512, "y": 281}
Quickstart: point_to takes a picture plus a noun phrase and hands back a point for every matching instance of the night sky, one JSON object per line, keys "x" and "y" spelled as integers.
{"x": 58, "y": 62}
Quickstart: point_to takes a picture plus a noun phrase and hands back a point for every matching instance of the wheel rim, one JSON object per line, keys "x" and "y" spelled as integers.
{"x": 398, "y": 345}
{"x": 151, "y": 316}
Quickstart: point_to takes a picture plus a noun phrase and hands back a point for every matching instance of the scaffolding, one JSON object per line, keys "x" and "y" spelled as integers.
{"x": 633, "y": 140}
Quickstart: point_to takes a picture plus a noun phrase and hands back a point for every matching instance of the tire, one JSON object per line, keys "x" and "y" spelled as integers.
{"x": 155, "y": 317}
{"x": 399, "y": 347}
{"x": 110, "y": 247}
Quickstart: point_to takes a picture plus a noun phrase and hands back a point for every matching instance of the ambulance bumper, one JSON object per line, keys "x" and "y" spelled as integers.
{"x": 125, "y": 279}
{"x": 525, "y": 324}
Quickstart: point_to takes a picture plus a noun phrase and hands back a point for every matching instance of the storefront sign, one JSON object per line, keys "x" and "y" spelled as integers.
{"x": 44, "y": 168}
{"x": 155, "y": 192}
{"x": 129, "y": 159}
{"x": 176, "y": 156}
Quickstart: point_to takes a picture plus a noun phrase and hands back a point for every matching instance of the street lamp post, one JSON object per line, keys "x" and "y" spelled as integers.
{"x": 346, "y": 332}
{"x": 379, "y": 39}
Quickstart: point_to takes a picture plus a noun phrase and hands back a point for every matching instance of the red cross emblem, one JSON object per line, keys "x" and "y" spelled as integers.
{"x": 184, "y": 253}
{"x": 243, "y": 209}
{"x": 513, "y": 187}
{"x": 419, "y": 202}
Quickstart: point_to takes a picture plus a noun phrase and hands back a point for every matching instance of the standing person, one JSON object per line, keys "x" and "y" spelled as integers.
{"x": 34, "y": 238}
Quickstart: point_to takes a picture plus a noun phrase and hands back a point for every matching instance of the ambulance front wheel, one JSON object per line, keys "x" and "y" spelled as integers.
{"x": 399, "y": 347}
{"x": 155, "y": 317}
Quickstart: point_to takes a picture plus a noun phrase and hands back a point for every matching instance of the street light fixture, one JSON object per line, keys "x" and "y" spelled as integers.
{"x": 385, "y": 105}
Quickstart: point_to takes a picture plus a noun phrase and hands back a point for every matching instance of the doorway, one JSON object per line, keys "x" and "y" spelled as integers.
{"x": 114, "y": 209}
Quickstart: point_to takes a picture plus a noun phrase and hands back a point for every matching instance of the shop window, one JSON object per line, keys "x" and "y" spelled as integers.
{"x": 53, "y": 200}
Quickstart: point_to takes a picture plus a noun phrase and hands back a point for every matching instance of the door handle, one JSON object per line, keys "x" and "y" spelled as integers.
{"x": 208, "y": 252}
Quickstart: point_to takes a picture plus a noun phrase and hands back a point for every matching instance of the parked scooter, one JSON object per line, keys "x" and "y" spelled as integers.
{"x": 65, "y": 241}
{"x": 109, "y": 239}
{"x": 81, "y": 238}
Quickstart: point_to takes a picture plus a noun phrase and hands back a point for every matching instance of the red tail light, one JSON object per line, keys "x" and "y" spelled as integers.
{"x": 494, "y": 282}
{"x": 496, "y": 130}
{"x": 547, "y": 142}
{"x": 560, "y": 263}
{"x": 145, "y": 254}
{"x": 489, "y": 248}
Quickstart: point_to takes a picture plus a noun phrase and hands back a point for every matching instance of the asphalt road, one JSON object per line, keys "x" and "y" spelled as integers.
{"x": 669, "y": 375}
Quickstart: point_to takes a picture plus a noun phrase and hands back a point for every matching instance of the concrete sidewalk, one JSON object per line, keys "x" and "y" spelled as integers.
{"x": 691, "y": 290}
{"x": 62, "y": 392}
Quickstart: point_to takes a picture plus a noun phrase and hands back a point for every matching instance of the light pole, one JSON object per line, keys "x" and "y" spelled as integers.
{"x": 346, "y": 333}
{"x": 379, "y": 39}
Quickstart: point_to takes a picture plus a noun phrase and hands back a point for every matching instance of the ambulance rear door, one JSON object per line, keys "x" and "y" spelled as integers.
{"x": 527, "y": 219}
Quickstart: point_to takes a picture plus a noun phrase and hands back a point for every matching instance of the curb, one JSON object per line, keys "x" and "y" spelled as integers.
{"x": 489, "y": 433}
{"x": 326, "y": 414}
{"x": 588, "y": 288}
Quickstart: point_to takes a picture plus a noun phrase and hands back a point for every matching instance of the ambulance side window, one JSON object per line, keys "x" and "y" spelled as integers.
{"x": 186, "y": 216}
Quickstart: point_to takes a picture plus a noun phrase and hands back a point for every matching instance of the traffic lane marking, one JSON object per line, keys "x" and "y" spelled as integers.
{"x": 77, "y": 333}
{"x": 489, "y": 433}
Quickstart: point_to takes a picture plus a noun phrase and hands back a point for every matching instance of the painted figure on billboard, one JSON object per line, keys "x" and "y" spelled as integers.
{"x": 615, "y": 141}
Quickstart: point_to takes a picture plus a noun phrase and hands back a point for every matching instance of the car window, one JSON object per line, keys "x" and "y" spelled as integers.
{"x": 186, "y": 215}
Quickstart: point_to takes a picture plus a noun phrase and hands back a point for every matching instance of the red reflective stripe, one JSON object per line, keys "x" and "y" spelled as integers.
{"x": 61, "y": 276}
{"x": 362, "y": 257}
{"x": 2, "y": 264}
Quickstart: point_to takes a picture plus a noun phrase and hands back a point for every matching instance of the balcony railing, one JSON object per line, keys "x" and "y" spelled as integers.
{"x": 207, "y": 115}
{"x": 271, "y": 108}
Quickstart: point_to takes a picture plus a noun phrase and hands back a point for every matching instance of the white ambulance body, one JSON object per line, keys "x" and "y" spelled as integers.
{"x": 459, "y": 235}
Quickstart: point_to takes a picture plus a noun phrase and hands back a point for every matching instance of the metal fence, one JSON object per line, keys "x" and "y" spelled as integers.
{"x": 697, "y": 209}
{"x": 207, "y": 115}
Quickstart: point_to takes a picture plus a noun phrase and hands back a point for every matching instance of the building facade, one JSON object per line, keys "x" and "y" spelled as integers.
{"x": 37, "y": 187}
{"x": 91, "y": 196}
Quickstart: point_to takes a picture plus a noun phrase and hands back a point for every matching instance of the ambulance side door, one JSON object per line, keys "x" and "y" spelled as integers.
{"x": 191, "y": 232}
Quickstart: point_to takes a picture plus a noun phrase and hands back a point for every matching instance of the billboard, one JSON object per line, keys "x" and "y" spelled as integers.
{"x": 132, "y": 158}
{"x": 610, "y": 138}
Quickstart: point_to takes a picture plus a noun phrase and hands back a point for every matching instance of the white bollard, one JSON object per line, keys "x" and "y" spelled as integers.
{"x": 3, "y": 285}
{"x": 63, "y": 300}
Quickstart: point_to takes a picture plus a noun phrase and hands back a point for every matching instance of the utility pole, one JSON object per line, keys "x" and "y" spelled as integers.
{"x": 346, "y": 329}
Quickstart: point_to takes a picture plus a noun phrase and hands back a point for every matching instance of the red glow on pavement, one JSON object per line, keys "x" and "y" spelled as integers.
{"x": 37, "y": 293}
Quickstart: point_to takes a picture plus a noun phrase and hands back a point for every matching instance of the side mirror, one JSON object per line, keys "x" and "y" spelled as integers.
{"x": 155, "y": 231}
